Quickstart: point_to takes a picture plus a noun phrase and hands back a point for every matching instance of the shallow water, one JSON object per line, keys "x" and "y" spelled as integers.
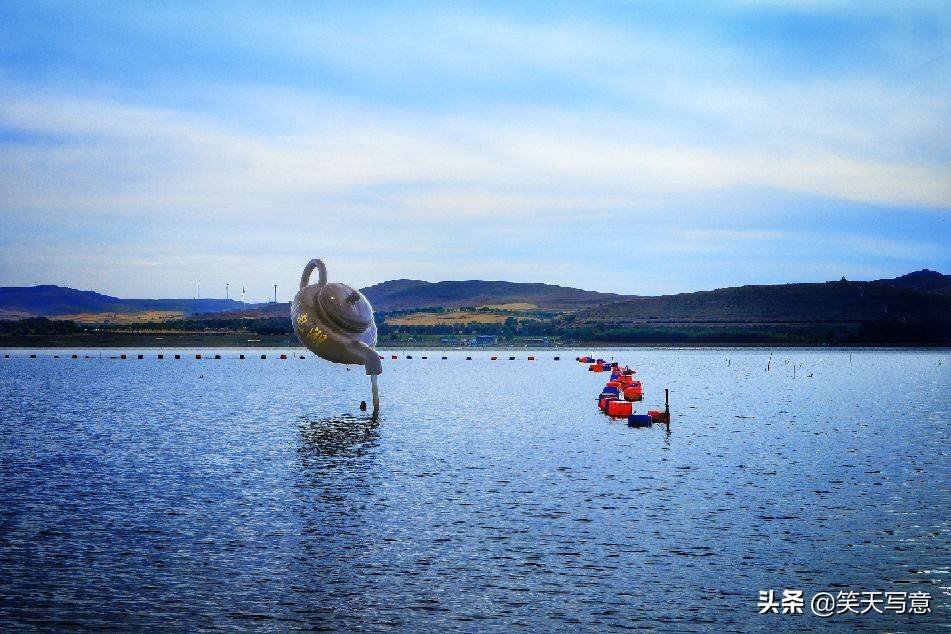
{"x": 253, "y": 494}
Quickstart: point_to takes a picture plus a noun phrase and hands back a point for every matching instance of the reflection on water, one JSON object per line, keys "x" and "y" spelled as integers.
{"x": 490, "y": 496}
{"x": 346, "y": 435}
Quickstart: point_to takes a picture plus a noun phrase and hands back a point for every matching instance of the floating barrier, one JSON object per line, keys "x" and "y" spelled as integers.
{"x": 619, "y": 409}
{"x": 633, "y": 394}
{"x": 622, "y": 384}
{"x": 639, "y": 420}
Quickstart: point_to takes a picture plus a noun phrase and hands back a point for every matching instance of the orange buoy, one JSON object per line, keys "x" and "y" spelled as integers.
{"x": 633, "y": 393}
{"x": 619, "y": 409}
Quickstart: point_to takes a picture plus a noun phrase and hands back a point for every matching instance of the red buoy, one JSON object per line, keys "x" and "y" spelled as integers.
{"x": 633, "y": 393}
{"x": 619, "y": 409}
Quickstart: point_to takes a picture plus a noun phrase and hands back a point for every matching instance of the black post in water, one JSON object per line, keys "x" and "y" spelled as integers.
{"x": 667, "y": 405}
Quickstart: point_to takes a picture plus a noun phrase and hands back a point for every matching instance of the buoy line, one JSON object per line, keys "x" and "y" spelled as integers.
{"x": 122, "y": 356}
{"x": 621, "y": 391}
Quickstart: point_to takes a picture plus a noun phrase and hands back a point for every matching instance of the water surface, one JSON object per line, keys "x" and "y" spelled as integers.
{"x": 253, "y": 494}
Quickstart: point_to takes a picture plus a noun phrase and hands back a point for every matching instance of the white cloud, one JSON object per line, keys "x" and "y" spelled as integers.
{"x": 107, "y": 156}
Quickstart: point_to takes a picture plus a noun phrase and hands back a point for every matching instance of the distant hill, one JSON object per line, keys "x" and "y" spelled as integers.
{"x": 53, "y": 301}
{"x": 410, "y": 294}
{"x": 923, "y": 280}
{"x": 406, "y": 294}
{"x": 916, "y": 297}
{"x": 827, "y": 302}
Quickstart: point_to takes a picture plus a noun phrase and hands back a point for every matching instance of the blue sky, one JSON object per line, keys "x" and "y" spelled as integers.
{"x": 645, "y": 148}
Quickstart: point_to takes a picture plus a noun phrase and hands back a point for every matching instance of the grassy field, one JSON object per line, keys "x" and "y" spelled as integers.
{"x": 146, "y": 316}
{"x": 447, "y": 318}
{"x": 512, "y": 306}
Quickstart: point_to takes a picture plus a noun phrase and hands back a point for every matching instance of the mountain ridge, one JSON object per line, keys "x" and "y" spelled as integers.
{"x": 823, "y": 302}
{"x": 910, "y": 295}
{"x": 49, "y": 300}
{"x": 409, "y": 294}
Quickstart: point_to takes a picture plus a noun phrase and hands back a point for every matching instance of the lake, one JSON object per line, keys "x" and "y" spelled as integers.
{"x": 489, "y": 495}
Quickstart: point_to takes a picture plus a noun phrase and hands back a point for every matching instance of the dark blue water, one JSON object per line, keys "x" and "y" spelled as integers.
{"x": 147, "y": 494}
